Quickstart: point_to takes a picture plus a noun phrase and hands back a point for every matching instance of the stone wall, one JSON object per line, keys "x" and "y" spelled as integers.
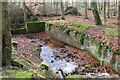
{"x": 33, "y": 27}
{"x": 98, "y": 50}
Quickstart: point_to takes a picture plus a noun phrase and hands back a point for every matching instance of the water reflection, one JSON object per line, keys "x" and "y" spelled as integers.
{"x": 48, "y": 55}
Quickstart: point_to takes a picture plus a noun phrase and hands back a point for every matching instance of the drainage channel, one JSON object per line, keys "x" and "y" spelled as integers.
{"x": 50, "y": 57}
{"x": 62, "y": 63}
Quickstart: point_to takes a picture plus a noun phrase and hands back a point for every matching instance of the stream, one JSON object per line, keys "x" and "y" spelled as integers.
{"x": 57, "y": 59}
{"x": 61, "y": 58}
{"x": 50, "y": 56}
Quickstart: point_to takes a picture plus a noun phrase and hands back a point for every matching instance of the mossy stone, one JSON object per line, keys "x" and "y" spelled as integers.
{"x": 18, "y": 31}
{"x": 35, "y": 27}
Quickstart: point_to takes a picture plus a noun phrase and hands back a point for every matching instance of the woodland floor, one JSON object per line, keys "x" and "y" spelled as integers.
{"x": 27, "y": 42}
{"x": 111, "y": 22}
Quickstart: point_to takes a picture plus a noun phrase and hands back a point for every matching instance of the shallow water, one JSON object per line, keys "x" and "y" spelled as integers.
{"x": 56, "y": 59}
{"x": 48, "y": 55}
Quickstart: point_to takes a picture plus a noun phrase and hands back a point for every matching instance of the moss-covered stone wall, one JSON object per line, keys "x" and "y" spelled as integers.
{"x": 80, "y": 39}
{"x": 35, "y": 27}
{"x": 32, "y": 27}
{"x": 19, "y": 31}
{"x": 76, "y": 37}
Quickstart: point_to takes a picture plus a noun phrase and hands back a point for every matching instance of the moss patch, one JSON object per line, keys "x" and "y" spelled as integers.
{"x": 78, "y": 27}
{"x": 111, "y": 32}
{"x": 18, "y": 31}
{"x": 44, "y": 65}
{"x": 79, "y": 76}
{"x": 17, "y": 74}
{"x": 35, "y": 27}
{"x": 14, "y": 43}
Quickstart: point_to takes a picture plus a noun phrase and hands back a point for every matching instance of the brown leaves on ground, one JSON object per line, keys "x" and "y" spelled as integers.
{"x": 99, "y": 35}
{"x": 83, "y": 56}
{"x": 25, "y": 48}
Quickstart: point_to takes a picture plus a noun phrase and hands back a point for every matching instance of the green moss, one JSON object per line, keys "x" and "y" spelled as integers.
{"x": 117, "y": 52}
{"x": 82, "y": 26}
{"x": 18, "y": 31}
{"x": 79, "y": 76}
{"x": 81, "y": 29}
{"x": 23, "y": 74}
{"x": 44, "y": 65}
{"x": 99, "y": 50}
{"x": 88, "y": 66}
{"x": 23, "y": 62}
{"x": 75, "y": 23}
{"x": 17, "y": 74}
{"x": 66, "y": 31}
{"x": 14, "y": 43}
{"x": 9, "y": 73}
{"x": 37, "y": 48}
{"x": 85, "y": 18}
{"x": 74, "y": 32}
{"x": 35, "y": 27}
{"x": 111, "y": 32}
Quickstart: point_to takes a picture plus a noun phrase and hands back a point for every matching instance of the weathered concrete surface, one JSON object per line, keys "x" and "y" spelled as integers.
{"x": 98, "y": 50}
{"x": 71, "y": 39}
{"x": 32, "y": 27}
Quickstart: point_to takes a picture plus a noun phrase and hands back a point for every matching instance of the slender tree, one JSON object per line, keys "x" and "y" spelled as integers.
{"x": 25, "y": 15}
{"x": 99, "y": 6}
{"x": 6, "y": 36}
{"x": 96, "y": 14}
{"x": 44, "y": 7}
{"x": 104, "y": 11}
{"x": 62, "y": 10}
{"x": 56, "y": 7}
{"x": 1, "y": 35}
{"x": 86, "y": 16}
{"x": 108, "y": 10}
{"x": 119, "y": 11}
{"x": 115, "y": 8}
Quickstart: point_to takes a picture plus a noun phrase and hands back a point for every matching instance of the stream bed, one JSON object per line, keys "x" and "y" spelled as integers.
{"x": 61, "y": 58}
{"x": 62, "y": 62}
{"x": 50, "y": 57}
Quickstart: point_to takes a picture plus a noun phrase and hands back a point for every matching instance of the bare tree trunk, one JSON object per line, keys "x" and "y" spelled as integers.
{"x": 119, "y": 11}
{"x": 86, "y": 16}
{"x": 25, "y": 16}
{"x": 62, "y": 10}
{"x": 104, "y": 11}
{"x": 114, "y": 12}
{"x": 30, "y": 12}
{"x": 99, "y": 7}
{"x": 96, "y": 14}
{"x": 116, "y": 5}
{"x": 1, "y": 35}
{"x": 6, "y": 36}
{"x": 108, "y": 11}
{"x": 44, "y": 7}
{"x": 56, "y": 9}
